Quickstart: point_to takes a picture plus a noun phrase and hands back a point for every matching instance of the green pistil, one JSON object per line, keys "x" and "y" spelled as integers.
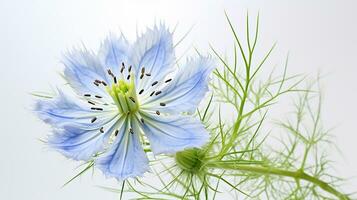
{"x": 124, "y": 96}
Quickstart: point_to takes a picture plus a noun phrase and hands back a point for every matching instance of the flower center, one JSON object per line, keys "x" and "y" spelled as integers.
{"x": 124, "y": 96}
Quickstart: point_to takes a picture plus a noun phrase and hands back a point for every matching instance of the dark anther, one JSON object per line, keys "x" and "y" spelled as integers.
{"x": 158, "y": 112}
{"x": 115, "y": 79}
{"x": 141, "y": 76}
{"x": 101, "y": 130}
{"x": 91, "y": 103}
{"x": 131, "y": 131}
{"x": 142, "y": 120}
{"x": 132, "y": 99}
{"x": 141, "y": 91}
{"x": 148, "y": 74}
{"x": 98, "y": 81}
{"x": 162, "y": 104}
{"x": 97, "y": 96}
{"x": 110, "y": 72}
{"x": 168, "y": 80}
{"x": 154, "y": 83}
{"x": 95, "y": 83}
{"x": 129, "y": 70}
{"x": 143, "y": 70}
{"x": 122, "y": 67}
{"x": 104, "y": 83}
{"x": 128, "y": 77}
{"x": 93, "y": 108}
{"x": 158, "y": 92}
{"x": 87, "y": 95}
{"x": 152, "y": 93}
{"x": 116, "y": 132}
{"x": 93, "y": 120}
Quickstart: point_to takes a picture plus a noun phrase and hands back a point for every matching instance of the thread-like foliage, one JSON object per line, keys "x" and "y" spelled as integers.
{"x": 247, "y": 156}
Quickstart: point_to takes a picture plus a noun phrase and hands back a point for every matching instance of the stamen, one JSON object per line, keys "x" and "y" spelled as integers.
{"x": 91, "y": 103}
{"x": 122, "y": 67}
{"x": 116, "y": 132}
{"x": 95, "y": 83}
{"x": 168, "y": 80}
{"x": 110, "y": 72}
{"x": 162, "y": 104}
{"x": 131, "y": 131}
{"x": 128, "y": 77}
{"x": 97, "y": 96}
{"x": 93, "y": 108}
{"x": 141, "y": 91}
{"x": 158, "y": 112}
{"x": 143, "y": 70}
{"x": 152, "y": 93}
{"x": 129, "y": 70}
{"x": 141, "y": 76}
{"x": 142, "y": 120}
{"x": 148, "y": 74}
{"x": 132, "y": 99}
{"x": 154, "y": 83}
{"x": 93, "y": 120}
{"x": 158, "y": 92}
{"x": 101, "y": 130}
{"x": 104, "y": 83}
{"x": 87, "y": 95}
{"x": 115, "y": 79}
{"x": 98, "y": 81}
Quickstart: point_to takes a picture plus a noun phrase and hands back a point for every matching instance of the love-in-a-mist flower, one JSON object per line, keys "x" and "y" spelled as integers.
{"x": 127, "y": 94}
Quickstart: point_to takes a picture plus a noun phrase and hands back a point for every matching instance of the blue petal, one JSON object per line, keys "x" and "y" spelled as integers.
{"x": 82, "y": 68}
{"x": 185, "y": 91}
{"x": 169, "y": 134}
{"x": 113, "y": 52}
{"x": 154, "y": 51}
{"x": 78, "y": 143}
{"x": 125, "y": 158}
{"x": 66, "y": 110}
{"x": 75, "y": 136}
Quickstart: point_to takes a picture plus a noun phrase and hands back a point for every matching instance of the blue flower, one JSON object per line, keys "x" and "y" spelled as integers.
{"x": 126, "y": 95}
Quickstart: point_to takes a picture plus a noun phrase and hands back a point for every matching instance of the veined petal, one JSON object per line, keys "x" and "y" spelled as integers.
{"x": 82, "y": 68}
{"x": 126, "y": 157}
{"x": 154, "y": 51}
{"x": 185, "y": 91}
{"x": 113, "y": 52}
{"x": 65, "y": 110}
{"x": 81, "y": 144}
{"x": 169, "y": 134}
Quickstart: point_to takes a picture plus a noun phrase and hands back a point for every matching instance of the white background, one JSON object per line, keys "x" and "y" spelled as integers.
{"x": 320, "y": 35}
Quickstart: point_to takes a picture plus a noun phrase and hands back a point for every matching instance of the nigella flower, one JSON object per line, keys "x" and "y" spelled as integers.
{"x": 126, "y": 94}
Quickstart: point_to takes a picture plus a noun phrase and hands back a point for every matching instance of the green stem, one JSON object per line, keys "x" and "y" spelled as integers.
{"x": 299, "y": 174}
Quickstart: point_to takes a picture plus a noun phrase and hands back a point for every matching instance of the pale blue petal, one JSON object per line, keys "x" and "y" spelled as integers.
{"x": 80, "y": 144}
{"x": 113, "y": 52}
{"x": 126, "y": 157}
{"x": 187, "y": 88}
{"x": 154, "y": 51}
{"x": 67, "y": 110}
{"x": 82, "y": 68}
{"x": 169, "y": 134}
{"x": 75, "y": 136}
